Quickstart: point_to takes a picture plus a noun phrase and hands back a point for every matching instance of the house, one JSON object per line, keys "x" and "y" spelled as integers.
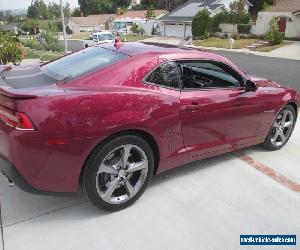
{"x": 288, "y": 12}
{"x": 90, "y": 23}
{"x": 122, "y": 23}
{"x": 178, "y": 23}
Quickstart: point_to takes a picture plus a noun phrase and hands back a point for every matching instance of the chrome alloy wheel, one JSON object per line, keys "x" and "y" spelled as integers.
{"x": 282, "y": 128}
{"x": 121, "y": 174}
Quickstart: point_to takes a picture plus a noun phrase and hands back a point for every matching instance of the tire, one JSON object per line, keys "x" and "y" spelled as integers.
{"x": 280, "y": 130}
{"x": 113, "y": 183}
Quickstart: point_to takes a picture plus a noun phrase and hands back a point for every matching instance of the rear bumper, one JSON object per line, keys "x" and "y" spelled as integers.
{"x": 13, "y": 175}
{"x": 39, "y": 167}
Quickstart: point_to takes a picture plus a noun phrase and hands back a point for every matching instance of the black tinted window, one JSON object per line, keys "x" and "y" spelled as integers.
{"x": 81, "y": 63}
{"x": 209, "y": 75}
{"x": 166, "y": 74}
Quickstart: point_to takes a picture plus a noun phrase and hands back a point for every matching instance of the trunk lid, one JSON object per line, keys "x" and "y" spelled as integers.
{"x": 20, "y": 82}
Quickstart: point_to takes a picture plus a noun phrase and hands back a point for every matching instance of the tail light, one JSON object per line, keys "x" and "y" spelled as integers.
{"x": 17, "y": 120}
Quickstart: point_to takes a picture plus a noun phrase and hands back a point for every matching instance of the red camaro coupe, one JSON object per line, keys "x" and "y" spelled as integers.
{"x": 115, "y": 114}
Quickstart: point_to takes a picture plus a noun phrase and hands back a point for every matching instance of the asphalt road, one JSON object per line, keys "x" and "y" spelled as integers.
{"x": 283, "y": 71}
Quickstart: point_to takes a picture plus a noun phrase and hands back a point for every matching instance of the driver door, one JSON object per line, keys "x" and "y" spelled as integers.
{"x": 217, "y": 114}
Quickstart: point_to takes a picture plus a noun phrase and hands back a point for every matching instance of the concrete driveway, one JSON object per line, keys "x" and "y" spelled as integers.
{"x": 203, "y": 205}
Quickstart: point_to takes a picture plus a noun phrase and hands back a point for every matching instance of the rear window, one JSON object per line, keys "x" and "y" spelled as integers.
{"x": 81, "y": 63}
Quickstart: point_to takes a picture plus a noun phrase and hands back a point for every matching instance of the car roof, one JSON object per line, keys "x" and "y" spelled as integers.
{"x": 140, "y": 48}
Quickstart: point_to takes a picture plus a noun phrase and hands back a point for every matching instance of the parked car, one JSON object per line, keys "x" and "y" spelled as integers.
{"x": 102, "y": 37}
{"x": 114, "y": 115}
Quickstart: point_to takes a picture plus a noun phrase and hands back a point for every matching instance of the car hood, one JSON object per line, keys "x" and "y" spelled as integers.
{"x": 262, "y": 82}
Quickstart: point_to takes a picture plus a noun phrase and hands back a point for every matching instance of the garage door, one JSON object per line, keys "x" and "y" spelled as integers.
{"x": 174, "y": 29}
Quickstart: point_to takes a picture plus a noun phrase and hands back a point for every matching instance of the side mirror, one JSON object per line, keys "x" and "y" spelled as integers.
{"x": 250, "y": 86}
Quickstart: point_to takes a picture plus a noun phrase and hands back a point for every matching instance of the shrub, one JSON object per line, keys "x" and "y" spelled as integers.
{"x": 229, "y": 17}
{"x": 31, "y": 43}
{"x": 135, "y": 28}
{"x": 50, "y": 42}
{"x": 69, "y": 31}
{"x": 236, "y": 36}
{"x": 201, "y": 23}
{"x": 11, "y": 50}
{"x": 43, "y": 56}
{"x": 273, "y": 36}
{"x": 244, "y": 28}
{"x": 141, "y": 31}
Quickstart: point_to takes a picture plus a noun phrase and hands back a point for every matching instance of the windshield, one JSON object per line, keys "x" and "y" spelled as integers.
{"x": 81, "y": 63}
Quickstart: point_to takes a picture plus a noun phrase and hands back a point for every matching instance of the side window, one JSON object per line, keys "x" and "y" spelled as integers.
{"x": 204, "y": 74}
{"x": 167, "y": 75}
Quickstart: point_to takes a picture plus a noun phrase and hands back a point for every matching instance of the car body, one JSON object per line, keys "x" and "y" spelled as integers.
{"x": 61, "y": 120}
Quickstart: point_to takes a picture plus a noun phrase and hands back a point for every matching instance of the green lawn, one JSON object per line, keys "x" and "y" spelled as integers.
{"x": 43, "y": 55}
{"x": 239, "y": 44}
{"x": 82, "y": 35}
{"x": 223, "y": 43}
{"x": 133, "y": 38}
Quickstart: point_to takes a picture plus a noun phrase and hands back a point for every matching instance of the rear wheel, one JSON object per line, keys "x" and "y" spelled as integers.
{"x": 281, "y": 129}
{"x": 118, "y": 172}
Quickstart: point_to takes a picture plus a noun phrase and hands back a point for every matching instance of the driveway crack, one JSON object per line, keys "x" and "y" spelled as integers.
{"x": 1, "y": 229}
{"x": 49, "y": 212}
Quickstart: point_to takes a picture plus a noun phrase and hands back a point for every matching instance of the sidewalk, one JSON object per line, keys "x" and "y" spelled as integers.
{"x": 291, "y": 51}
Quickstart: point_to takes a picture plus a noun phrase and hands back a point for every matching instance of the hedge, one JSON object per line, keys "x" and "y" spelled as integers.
{"x": 244, "y": 28}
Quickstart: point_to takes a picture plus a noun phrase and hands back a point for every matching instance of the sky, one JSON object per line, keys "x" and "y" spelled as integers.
{"x": 23, "y": 4}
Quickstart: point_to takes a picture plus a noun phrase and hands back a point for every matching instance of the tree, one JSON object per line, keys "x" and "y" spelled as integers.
{"x": 201, "y": 23}
{"x": 237, "y": 7}
{"x": 88, "y": 7}
{"x": 162, "y": 4}
{"x": 99, "y": 7}
{"x": 258, "y": 5}
{"x": 83, "y": 6}
{"x": 30, "y": 25}
{"x": 273, "y": 35}
{"x": 150, "y": 14}
{"x": 53, "y": 10}
{"x": 37, "y": 10}
{"x": 76, "y": 12}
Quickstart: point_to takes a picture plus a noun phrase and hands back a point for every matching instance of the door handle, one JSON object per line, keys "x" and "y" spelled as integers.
{"x": 193, "y": 107}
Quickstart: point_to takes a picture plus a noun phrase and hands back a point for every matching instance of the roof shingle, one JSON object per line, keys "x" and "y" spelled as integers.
{"x": 92, "y": 20}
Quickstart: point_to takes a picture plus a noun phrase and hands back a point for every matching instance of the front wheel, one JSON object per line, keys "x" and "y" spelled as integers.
{"x": 281, "y": 129}
{"x": 118, "y": 172}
